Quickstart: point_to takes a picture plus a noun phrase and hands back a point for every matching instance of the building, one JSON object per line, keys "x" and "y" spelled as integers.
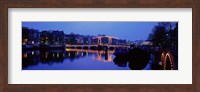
{"x": 122, "y": 42}
{"x": 79, "y": 39}
{"x": 52, "y": 37}
{"x": 45, "y": 37}
{"x": 66, "y": 39}
{"x": 149, "y": 43}
{"x": 30, "y": 36}
{"x": 115, "y": 41}
{"x": 87, "y": 39}
{"x": 57, "y": 37}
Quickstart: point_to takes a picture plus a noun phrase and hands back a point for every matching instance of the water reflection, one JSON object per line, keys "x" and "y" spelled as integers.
{"x": 31, "y": 58}
{"x": 53, "y": 56}
{"x": 34, "y": 57}
{"x": 73, "y": 59}
{"x": 99, "y": 55}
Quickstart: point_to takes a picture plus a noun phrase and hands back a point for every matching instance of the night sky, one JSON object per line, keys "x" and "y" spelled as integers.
{"x": 123, "y": 30}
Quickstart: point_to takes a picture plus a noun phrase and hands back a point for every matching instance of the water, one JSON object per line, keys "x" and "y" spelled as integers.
{"x": 71, "y": 59}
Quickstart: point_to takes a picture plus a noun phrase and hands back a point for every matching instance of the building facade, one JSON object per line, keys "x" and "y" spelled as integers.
{"x": 30, "y": 36}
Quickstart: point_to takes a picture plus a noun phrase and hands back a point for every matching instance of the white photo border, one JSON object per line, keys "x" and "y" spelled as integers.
{"x": 181, "y": 76}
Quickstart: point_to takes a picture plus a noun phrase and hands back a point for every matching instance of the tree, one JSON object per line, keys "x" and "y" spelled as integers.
{"x": 168, "y": 25}
{"x": 158, "y": 36}
{"x": 164, "y": 33}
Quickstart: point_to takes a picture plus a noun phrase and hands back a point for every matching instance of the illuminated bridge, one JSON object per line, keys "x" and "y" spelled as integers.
{"x": 95, "y": 46}
{"x": 99, "y": 44}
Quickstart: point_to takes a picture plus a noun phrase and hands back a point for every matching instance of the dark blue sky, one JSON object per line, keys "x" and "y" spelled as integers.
{"x": 123, "y": 30}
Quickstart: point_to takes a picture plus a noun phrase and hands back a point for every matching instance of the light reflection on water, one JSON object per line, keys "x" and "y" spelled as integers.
{"x": 70, "y": 59}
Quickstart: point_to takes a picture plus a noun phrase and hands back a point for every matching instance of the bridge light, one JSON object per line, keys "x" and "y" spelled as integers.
{"x": 67, "y": 49}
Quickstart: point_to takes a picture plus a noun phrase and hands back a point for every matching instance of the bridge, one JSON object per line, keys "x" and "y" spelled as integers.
{"x": 167, "y": 61}
{"x": 100, "y": 39}
{"x": 96, "y": 46}
{"x": 99, "y": 44}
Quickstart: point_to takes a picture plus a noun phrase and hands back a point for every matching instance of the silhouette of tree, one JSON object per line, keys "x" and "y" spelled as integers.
{"x": 168, "y": 25}
{"x": 162, "y": 33}
{"x": 158, "y": 36}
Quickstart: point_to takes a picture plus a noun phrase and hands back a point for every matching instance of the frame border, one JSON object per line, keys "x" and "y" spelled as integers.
{"x": 5, "y": 4}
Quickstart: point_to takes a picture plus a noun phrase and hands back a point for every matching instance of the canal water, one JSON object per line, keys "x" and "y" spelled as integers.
{"x": 71, "y": 59}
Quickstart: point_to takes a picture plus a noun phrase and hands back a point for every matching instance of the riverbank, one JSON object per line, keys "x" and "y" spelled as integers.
{"x": 42, "y": 47}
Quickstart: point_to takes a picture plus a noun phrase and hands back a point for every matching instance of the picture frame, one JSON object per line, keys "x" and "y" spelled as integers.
{"x": 5, "y": 4}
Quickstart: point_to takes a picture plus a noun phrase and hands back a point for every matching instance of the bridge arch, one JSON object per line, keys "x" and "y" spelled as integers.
{"x": 101, "y": 37}
{"x": 167, "y": 60}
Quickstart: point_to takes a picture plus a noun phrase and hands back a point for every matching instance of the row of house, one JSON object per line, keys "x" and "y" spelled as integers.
{"x": 34, "y": 37}
{"x": 53, "y": 37}
{"x": 56, "y": 37}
